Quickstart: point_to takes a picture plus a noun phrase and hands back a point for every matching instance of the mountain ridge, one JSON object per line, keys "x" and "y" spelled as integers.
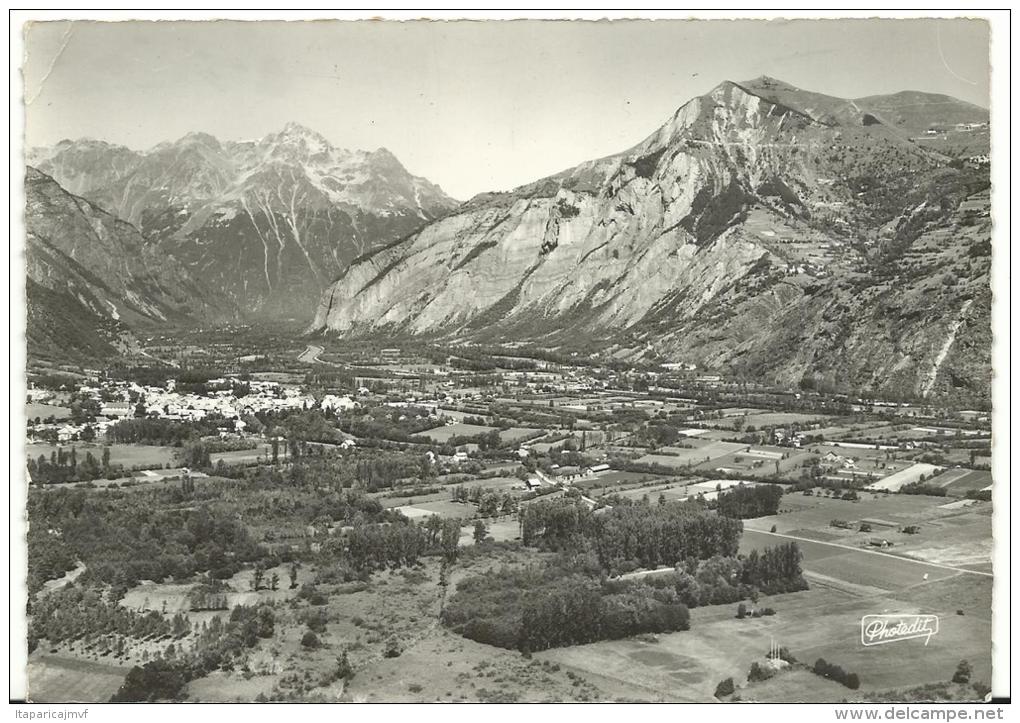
{"x": 737, "y": 199}
{"x": 272, "y": 221}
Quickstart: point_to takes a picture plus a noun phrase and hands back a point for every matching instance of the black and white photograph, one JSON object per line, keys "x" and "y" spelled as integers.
{"x": 522, "y": 359}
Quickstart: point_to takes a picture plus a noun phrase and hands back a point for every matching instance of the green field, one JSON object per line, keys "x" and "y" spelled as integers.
{"x": 447, "y": 432}
{"x": 143, "y": 456}
{"x": 856, "y": 566}
{"x": 821, "y": 622}
{"x": 672, "y": 492}
{"x": 443, "y": 508}
{"x": 499, "y": 484}
{"x": 519, "y": 434}
{"x": 602, "y": 482}
{"x": 818, "y": 511}
{"x": 949, "y": 533}
{"x": 244, "y": 455}
{"x": 700, "y": 451}
{"x": 230, "y": 687}
{"x": 770, "y": 419}
{"x": 760, "y": 462}
{"x": 44, "y": 411}
{"x": 958, "y": 482}
{"x": 57, "y": 679}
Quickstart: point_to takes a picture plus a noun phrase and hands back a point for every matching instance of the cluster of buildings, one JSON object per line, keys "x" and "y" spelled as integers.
{"x": 838, "y": 461}
{"x": 788, "y": 438}
{"x": 124, "y": 400}
{"x": 167, "y": 403}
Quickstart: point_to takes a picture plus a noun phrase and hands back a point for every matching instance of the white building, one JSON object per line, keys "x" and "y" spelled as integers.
{"x": 335, "y": 403}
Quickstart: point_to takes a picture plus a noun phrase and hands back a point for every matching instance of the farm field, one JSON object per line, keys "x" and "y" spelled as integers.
{"x": 817, "y": 512}
{"x": 712, "y": 434}
{"x": 155, "y": 475}
{"x": 543, "y": 447}
{"x": 949, "y": 476}
{"x": 821, "y": 622}
{"x": 619, "y": 477}
{"x": 898, "y": 479}
{"x": 243, "y": 455}
{"x": 516, "y": 435}
{"x": 844, "y": 445}
{"x": 764, "y": 418}
{"x": 504, "y": 468}
{"x": 614, "y": 480}
{"x": 949, "y": 533}
{"x": 672, "y": 491}
{"x": 130, "y": 455}
{"x": 833, "y": 432}
{"x": 662, "y": 459}
{"x": 447, "y": 432}
{"x": 837, "y": 562}
{"x": 699, "y": 451}
{"x": 232, "y": 687}
{"x": 58, "y": 679}
{"x": 957, "y": 482}
{"x": 44, "y": 411}
{"x": 888, "y": 432}
{"x": 409, "y": 499}
{"x": 759, "y": 461}
{"x": 456, "y": 414}
{"x": 443, "y": 508}
{"x": 962, "y": 539}
{"x": 740, "y": 411}
{"x": 499, "y": 484}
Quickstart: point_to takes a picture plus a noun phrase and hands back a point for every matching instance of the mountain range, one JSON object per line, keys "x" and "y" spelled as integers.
{"x": 268, "y": 224}
{"x": 763, "y": 230}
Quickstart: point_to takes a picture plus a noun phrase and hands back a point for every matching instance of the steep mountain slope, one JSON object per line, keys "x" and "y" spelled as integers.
{"x": 270, "y": 222}
{"x": 92, "y": 278}
{"x": 755, "y": 207}
{"x": 939, "y": 122}
{"x": 910, "y": 111}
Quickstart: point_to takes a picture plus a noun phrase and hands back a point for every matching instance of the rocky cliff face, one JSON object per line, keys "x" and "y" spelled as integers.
{"x": 762, "y": 229}
{"x": 271, "y": 222}
{"x": 92, "y": 278}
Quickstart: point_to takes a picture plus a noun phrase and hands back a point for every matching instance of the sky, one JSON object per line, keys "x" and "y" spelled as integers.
{"x": 472, "y": 106}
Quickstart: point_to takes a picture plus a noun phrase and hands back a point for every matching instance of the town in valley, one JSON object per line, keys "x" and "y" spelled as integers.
{"x": 704, "y": 418}
{"x": 887, "y": 502}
